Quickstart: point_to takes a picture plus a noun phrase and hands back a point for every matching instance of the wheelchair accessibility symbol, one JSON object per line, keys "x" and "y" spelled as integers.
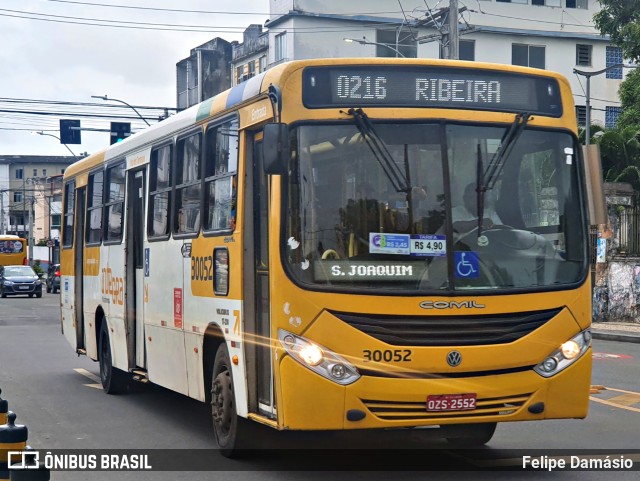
{"x": 467, "y": 264}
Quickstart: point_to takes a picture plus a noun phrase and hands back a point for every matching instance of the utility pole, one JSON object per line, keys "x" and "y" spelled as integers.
{"x": 31, "y": 239}
{"x": 2, "y": 231}
{"x": 453, "y": 30}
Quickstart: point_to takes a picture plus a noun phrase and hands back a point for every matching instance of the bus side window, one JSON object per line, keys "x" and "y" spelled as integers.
{"x": 221, "y": 167}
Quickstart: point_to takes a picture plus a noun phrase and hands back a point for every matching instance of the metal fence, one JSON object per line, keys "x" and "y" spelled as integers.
{"x": 628, "y": 232}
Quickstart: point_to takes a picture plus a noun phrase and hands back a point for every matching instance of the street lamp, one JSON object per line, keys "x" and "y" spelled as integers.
{"x": 364, "y": 41}
{"x": 588, "y": 76}
{"x": 104, "y": 97}
{"x": 55, "y": 137}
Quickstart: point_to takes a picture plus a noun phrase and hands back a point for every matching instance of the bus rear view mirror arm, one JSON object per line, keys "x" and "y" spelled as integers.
{"x": 275, "y": 148}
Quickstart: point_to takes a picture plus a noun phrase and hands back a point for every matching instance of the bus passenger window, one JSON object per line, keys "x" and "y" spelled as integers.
{"x": 220, "y": 182}
{"x": 187, "y": 195}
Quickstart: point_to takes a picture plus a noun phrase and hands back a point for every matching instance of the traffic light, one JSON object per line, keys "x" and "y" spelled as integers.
{"x": 120, "y": 131}
{"x": 70, "y": 132}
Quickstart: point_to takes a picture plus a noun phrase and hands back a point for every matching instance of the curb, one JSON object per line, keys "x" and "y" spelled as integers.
{"x": 615, "y": 336}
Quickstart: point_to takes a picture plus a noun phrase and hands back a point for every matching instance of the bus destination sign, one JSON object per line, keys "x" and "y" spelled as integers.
{"x": 432, "y": 86}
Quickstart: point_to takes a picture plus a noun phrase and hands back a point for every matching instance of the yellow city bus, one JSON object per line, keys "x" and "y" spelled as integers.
{"x": 13, "y": 250}
{"x": 341, "y": 244}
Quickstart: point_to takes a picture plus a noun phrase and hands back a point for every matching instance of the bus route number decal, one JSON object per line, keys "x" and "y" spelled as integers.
{"x": 202, "y": 268}
{"x": 387, "y": 355}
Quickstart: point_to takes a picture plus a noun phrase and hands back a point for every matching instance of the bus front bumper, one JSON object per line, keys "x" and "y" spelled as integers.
{"x": 309, "y": 401}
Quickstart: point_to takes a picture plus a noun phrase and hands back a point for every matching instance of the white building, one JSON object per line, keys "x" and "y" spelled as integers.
{"x": 555, "y": 35}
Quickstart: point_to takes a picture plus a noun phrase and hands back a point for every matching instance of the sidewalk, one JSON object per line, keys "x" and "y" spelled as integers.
{"x": 616, "y": 331}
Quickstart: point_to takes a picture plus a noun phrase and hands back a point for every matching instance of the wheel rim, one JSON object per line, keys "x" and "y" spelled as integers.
{"x": 222, "y": 403}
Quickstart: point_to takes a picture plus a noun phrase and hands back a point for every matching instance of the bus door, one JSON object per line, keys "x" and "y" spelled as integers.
{"x": 134, "y": 269}
{"x": 256, "y": 287}
{"x": 79, "y": 268}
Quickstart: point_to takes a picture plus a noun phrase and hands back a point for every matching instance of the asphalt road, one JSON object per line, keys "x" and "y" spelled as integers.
{"x": 57, "y": 395}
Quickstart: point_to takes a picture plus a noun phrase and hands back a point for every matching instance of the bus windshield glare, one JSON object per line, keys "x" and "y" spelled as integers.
{"x": 352, "y": 225}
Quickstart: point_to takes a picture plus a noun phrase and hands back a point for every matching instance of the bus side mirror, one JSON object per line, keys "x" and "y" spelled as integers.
{"x": 275, "y": 148}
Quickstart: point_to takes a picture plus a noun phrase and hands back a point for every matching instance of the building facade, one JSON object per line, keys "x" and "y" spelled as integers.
{"x": 31, "y": 185}
{"x": 556, "y": 35}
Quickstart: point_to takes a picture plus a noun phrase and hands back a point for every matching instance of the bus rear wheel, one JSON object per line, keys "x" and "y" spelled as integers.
{"x": 230, "y": 430}
{"x": 469, "y": 435}
{"x": 114, "y": 381}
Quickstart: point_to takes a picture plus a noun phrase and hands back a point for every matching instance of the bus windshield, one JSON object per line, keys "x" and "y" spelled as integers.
{"x": 349, "y": 226}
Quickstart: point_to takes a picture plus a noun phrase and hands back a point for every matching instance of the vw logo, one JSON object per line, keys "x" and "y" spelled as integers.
{"x": 454, "y": 358}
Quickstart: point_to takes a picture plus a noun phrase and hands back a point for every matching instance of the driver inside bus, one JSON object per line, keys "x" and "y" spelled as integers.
{"x": 465, "y": 216}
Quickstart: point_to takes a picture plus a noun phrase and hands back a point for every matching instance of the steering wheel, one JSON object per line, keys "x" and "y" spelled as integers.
{"x": 330, "y": 253}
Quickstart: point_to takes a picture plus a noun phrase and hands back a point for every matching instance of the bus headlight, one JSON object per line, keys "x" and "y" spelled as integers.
{"x": 319, "y": 359}
{"x": 568, "y": 353}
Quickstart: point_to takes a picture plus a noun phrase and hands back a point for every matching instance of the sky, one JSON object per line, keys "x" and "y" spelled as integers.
{"x": 47, "y": 55}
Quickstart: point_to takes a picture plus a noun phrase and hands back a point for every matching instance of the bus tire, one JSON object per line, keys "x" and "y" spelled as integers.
{"x": 469, "y": 435}
{"x": 114, "y": 381}
{"x": 230, "y": 430}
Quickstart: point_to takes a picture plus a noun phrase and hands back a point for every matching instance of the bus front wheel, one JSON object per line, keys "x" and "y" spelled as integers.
{"x": 229, "y": 428}
{"x": 468, "y": 435}
{"x": 114, "y": 381}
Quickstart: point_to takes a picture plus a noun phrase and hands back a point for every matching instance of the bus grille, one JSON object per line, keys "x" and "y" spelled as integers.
{"x": 450, "y": 330}
{"x": 404, "y": 411}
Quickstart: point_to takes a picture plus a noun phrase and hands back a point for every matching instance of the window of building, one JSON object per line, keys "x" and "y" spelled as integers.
{"x": 581, "y": 115}
{"x": 69, "y": 205}
{"x": 513, "y": 1}
{"x": 548, "y": 3}
{"x": 528, "y": 55}
{"x": 281, "y": 47}
{"x": 114, "y": 205}
{"x": 252, "y": 68}
{"x": 19, "y": 174}
{"x": 263, "y": 63}
{"x": 159, "y": 192}
{"x": 611, "y": 115}
{"x": 583, "y": 55}
{"x": 35, "y": 172}
{"x": 62, "y": 171}
{"x": 188, "y": 185}
{"x": 396, "y": 43}
{"x": 44, "y": 172}
{"x": 17, "y": 196}
{"x": 467, "y": 50}
{"x": 94, "y": 208}
{"x": 220, "y": 179}
{"x": 238, "y": 75}
{"x": 55, "y": 221}
{"x": 583, "y": 4}
{"x": 614, "y": 57}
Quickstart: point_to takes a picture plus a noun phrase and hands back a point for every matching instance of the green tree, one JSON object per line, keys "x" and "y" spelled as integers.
{"x": 620, "y": 154}
{"x": 630, "y": 100}
{"x": 620, "y": 19}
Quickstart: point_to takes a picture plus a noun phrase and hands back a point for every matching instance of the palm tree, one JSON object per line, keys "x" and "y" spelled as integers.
{"x": 620, "y": 153}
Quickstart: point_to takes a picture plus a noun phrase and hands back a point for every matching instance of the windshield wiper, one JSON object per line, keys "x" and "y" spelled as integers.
{"x": 487, "y": 180}
{"x": 379, "y": 149}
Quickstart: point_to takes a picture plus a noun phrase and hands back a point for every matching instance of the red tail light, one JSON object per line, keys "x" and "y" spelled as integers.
{"x": 57, "y": 273}
{"x": 24, "y": 261}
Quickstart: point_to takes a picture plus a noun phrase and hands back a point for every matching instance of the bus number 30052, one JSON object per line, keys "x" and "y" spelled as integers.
{"x": 202, "y": 268}
{"x": 387, "y": 355}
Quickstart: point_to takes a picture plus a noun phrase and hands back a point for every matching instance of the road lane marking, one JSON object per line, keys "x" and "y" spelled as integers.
{"x": 91, "y": 376}
{"x": 603, "y": 401}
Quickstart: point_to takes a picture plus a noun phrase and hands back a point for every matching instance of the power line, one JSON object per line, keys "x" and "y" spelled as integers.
{"x": 178, "y": 10}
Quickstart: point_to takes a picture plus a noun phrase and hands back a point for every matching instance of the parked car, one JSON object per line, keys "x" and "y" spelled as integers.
{"x": 19, "y": 280}
{"x": 53, "y": 278}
